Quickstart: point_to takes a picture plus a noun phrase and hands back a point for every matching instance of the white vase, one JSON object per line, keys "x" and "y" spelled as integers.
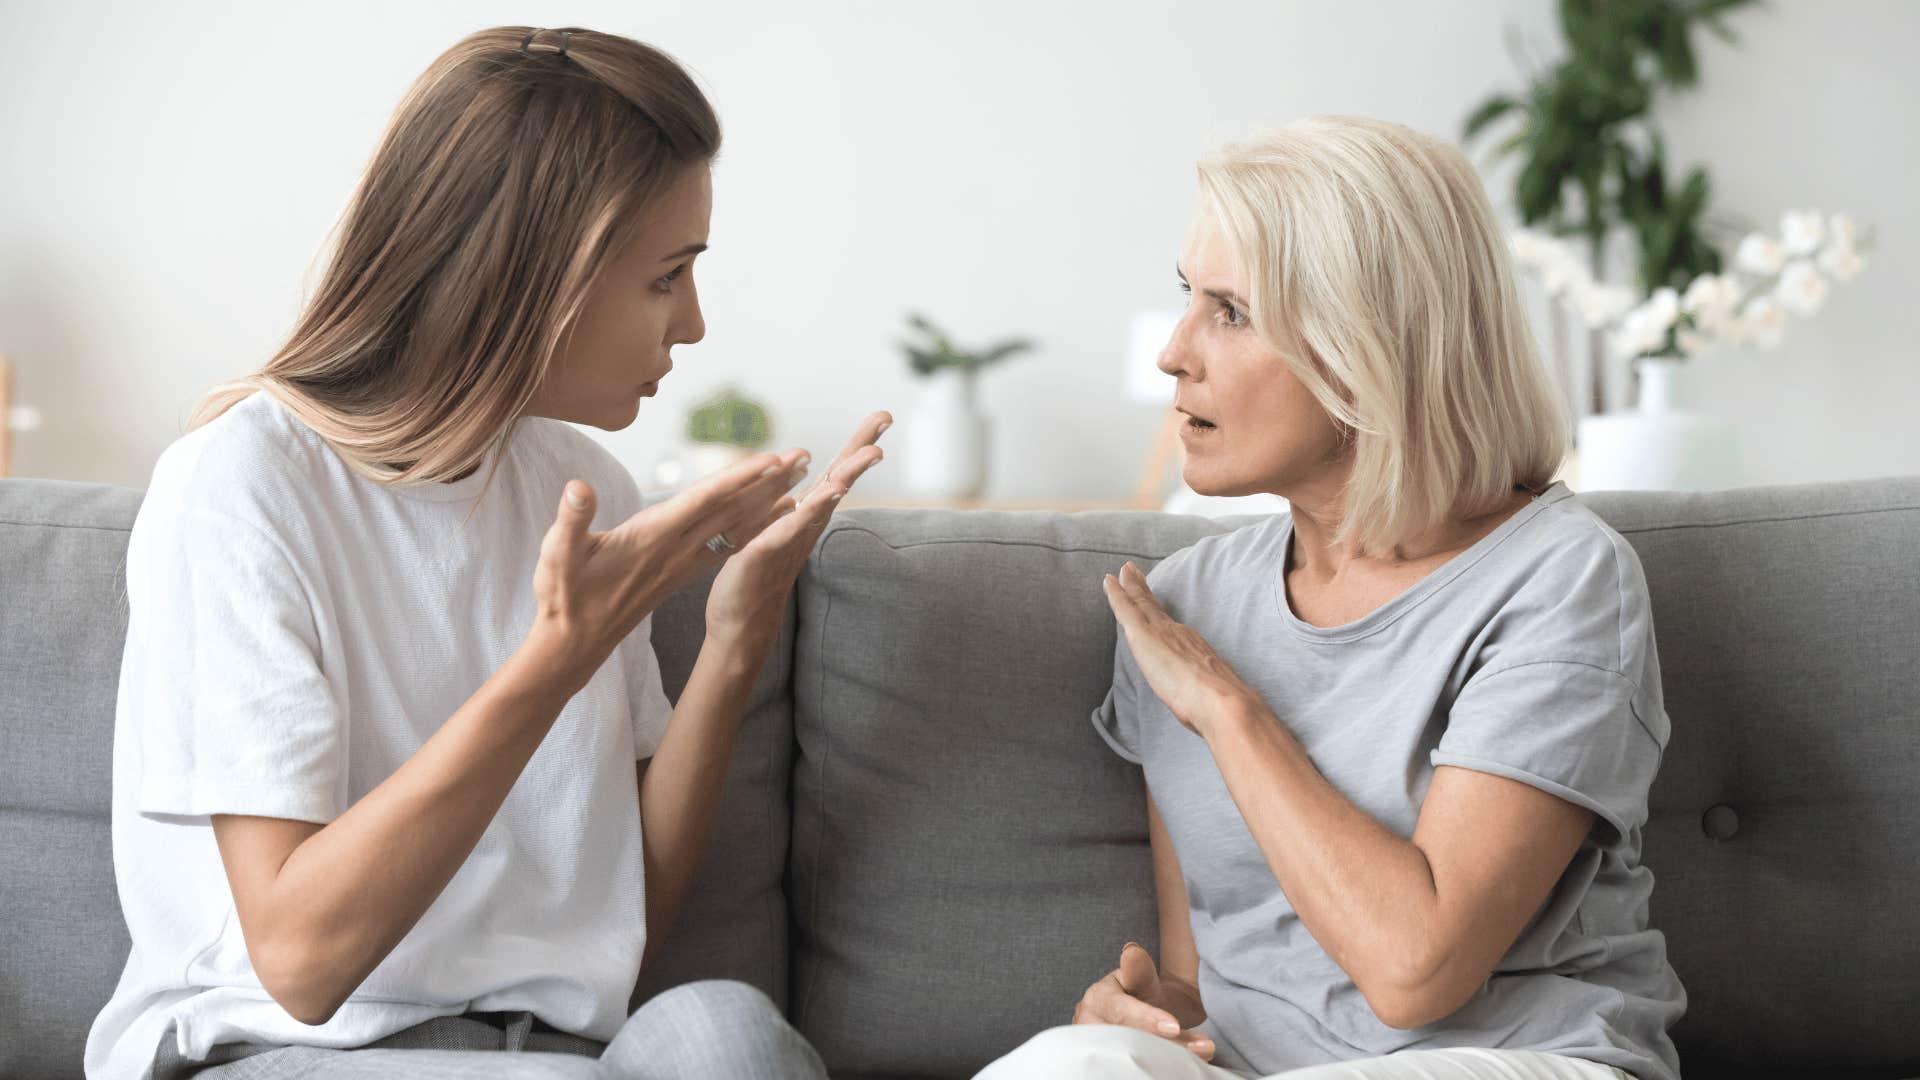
{"x": 946, "y": 444}
{"x": 1664, "y": 444}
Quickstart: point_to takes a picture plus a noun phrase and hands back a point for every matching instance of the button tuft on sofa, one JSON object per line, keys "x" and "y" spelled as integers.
{"x": 1720, "y": 822}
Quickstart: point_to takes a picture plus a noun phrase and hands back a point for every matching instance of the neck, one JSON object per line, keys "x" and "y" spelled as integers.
{"x": 1319, "y": 511}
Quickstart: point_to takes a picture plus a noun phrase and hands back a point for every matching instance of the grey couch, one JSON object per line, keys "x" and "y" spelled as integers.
{"x": 926, "y": 853}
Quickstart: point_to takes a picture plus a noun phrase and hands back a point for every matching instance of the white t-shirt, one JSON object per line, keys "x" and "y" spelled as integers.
{"x": 296, "y": 632}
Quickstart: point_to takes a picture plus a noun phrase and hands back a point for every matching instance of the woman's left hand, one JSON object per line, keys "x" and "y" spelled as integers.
{"x": 749, "y": 597}
{"x": 1190, "y": 679}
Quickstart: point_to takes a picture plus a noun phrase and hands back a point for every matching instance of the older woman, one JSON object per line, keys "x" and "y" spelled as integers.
{"x": 1397, "y": 742}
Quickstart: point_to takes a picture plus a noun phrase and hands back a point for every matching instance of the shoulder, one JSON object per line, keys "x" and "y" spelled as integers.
{"x": 1574, "y": 589}
{"x": 255, "y": 463}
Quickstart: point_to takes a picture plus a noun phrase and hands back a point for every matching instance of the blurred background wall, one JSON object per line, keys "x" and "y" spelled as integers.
{"x": 1008, "y": 166}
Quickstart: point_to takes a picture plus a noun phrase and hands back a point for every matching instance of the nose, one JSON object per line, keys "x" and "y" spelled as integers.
{"x": 691, "y": 325}
{"x": 1179, "y": 358}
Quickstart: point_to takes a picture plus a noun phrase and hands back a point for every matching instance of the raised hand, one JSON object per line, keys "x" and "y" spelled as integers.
{"x": 592, "y": 588}
{"x": 749, "y": 597}
{"x": 1189, "y": 678}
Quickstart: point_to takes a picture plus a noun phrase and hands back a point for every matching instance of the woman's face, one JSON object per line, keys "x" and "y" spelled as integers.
{"x": 640, "y": 307}
{"x": 1250, "y": 425}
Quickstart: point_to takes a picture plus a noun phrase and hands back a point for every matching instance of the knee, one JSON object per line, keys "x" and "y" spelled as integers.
{"x": 1080, "y": 1052}
{"x": 717, "y": 1027}
{"x": 728, "y": 998}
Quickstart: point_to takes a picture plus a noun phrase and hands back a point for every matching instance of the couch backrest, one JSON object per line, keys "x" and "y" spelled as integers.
{"x": 63, "y": 943}
{"x": 968, "y": 855}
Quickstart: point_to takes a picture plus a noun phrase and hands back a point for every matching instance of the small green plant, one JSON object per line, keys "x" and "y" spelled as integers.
{"x": 935, "y": 351}
{"x": 728, "y": 419}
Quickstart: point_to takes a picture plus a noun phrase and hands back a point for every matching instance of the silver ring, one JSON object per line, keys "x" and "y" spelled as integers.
{"x": 720, "y": 545}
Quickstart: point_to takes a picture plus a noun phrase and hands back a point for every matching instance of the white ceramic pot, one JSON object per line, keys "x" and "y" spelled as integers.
{"x": 946, "y": 444}
{"x": 1664, "y": 444}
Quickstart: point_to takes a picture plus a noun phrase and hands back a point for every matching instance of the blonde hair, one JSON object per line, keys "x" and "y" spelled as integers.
{"x": 511, "y": 172}
{"x": 1377, "y": 272}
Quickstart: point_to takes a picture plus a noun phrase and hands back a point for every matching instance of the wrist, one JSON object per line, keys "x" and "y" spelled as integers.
{"x": 1234, "y": 712}
{"x": 545, "y": 666}
{"x": 739, "y": 652}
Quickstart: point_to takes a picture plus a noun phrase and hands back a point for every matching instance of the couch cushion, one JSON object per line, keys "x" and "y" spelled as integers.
{"x": 733, "y": 923}
{"x": 968, "y": 856}
{"x": 63, "y": 617}
{"x": 1784, "y": 826}
{"x": 62, "y": 941}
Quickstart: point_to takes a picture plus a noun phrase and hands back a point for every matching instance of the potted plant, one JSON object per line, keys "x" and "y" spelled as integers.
{"x": 946, "y": 447}
{"x": 723, "y": 429}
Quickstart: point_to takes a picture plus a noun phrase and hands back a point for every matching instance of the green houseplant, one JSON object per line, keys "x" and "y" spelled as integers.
{"x": 946, "y": 445}
{"x": 1592, "y": 164}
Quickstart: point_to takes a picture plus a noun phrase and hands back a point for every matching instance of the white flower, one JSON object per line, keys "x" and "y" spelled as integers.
{"x": 1766, "y": 322}
{"x": 1601, "y": 304}
{"x": 1842, "y": 262}
{"x": 1801, "y": 288}
{"x": 1692, "y": 342}
{"x": 1759, "y": 254}
{"x": 1842, "y": 231}
{"x": 1645, "y": 327}
{"x": 1801, "y": 231}
{"x": 1710, "y": 298}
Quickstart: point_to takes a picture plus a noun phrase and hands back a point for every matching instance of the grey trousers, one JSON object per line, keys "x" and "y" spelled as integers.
{"x": 703, "y": 1029}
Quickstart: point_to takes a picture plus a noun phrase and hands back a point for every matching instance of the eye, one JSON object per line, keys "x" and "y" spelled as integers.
{"x": 665, "y": 283}
{"x": 1231, "y": 315}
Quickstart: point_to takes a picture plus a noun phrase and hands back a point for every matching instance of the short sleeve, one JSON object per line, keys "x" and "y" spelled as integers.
{"x": 234, "y": 713}
{"x": 1118, "y": 717}
{"x": 646, "y": 694}
{"x": 1573, "y": 730}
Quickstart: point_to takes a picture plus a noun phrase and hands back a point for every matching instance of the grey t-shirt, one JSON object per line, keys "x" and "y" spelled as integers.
{"x": 1530, "y": 656}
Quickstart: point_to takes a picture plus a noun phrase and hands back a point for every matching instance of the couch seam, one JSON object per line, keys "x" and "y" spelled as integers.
{"x": 1002, "y": 543}
{"x": 1675, "y": 525}
{"x": 826, "y": 752}
{"x": 5, "y": 522}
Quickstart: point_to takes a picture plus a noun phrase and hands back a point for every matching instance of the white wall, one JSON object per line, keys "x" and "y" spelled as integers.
{"x": 1009, "y": 166}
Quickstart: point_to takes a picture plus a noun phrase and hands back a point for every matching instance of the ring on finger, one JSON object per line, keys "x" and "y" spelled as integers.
{"x": 720, "y": 545}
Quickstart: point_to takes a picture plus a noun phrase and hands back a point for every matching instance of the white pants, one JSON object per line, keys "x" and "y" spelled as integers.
{"x": 1110, "y": 1052}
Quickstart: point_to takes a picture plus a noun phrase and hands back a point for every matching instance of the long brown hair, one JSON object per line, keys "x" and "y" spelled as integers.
{"x": 512, "y": 171}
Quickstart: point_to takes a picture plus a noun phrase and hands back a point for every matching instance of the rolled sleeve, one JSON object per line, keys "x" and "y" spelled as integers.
{"x": 1118, "y": 717}
{"x": 236, "y": 715}
{"x": 1573, "y": 730}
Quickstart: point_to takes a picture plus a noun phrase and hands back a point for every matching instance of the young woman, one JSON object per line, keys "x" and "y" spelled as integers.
{"x": 1397, "y": 742}
{"x": 396, "y": 786}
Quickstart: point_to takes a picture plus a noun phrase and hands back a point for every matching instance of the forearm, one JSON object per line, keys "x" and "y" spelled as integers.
{"x": 680, "y": 788}
{"x": 1366, "y": 894}
{"x": 347, "y": 894}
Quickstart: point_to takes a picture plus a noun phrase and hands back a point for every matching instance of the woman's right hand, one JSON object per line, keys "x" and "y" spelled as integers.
{"x": 1135, "y": 995}
{"x": 592, "y": 588}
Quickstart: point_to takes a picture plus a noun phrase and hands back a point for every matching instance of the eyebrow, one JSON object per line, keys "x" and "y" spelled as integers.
{"x": 690, "y": 249}
{"x": 1225, "y": 296}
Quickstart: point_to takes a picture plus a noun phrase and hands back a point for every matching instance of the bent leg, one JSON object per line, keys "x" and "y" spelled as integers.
{"x": 712, "y": 1028}
{"x": 1101, "y": 1052}
{"x": 1460, "y": 1063}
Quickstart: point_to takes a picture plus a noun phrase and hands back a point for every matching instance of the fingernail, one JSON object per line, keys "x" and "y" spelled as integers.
{"x": 574, "y": 500}
{"x": 769, "y": 471}
{"x": 1168, "y": 1027}
{"x": 804, "y": 461}
{"x": 836, "y": 496}
{"x": 883, "y": 429}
